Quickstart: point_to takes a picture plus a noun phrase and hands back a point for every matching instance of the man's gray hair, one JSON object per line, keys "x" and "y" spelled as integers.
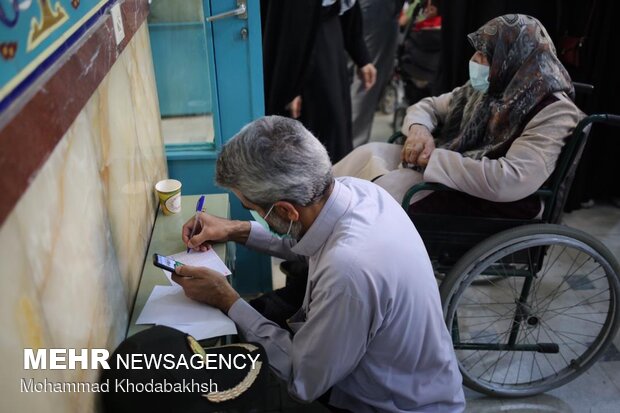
{"x": 275, "y": 159}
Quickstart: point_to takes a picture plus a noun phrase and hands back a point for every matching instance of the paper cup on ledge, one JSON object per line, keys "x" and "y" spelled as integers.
{"x": 169, "y": 193}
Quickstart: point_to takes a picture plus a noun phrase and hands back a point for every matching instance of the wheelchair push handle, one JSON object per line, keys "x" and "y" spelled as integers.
{"x": 605, "y": 118}
{"x": 583, "y": 88}
{"x": 609, "y": 119}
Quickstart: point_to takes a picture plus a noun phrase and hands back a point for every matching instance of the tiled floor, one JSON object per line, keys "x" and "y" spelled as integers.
{"x": 597, "y": 390}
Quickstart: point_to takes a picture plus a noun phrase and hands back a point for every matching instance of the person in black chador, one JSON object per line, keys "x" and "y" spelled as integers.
{"x": 305, "y": 44}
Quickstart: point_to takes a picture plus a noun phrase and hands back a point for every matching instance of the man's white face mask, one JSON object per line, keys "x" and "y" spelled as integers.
{"x": 263, "y": 222}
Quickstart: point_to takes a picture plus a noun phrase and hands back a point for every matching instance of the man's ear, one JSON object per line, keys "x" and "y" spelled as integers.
{"x": 287, "y": 210}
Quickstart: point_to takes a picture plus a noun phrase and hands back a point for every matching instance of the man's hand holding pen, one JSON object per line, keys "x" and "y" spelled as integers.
{"x": 210, "y": 229}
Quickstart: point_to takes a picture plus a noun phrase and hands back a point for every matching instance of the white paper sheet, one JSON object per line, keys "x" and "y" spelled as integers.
{"x": 168, "y": 305}
{"x": 207, "y": 259}
{"x": 201, "y": 331}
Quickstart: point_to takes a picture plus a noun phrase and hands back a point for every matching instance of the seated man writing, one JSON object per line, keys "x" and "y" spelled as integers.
{"x": 370, "y": 334}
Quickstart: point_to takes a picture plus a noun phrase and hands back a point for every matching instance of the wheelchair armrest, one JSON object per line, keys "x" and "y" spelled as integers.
{"x": 397, "y": 138}
{"x": 544, "y": 193}
{"x": 609, "y": 119}
{"x": 583, "y": 88}
{"x": 423, "y": 186}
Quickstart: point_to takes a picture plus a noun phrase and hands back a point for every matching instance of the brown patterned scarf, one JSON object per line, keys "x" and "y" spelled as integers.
{"x": 524, "y": 70}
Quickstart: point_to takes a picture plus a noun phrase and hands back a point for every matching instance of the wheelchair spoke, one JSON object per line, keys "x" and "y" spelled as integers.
{"x": 512, "y": 290}
{"x": 523, "y": 340}
{"x": 481, "y": 316}
{"x": 529, "y": 334}
{"x": 549, "y": 264}
{"x": 553, "y": 266}
{"x": 556, "y": 293}
{"x": 582, "y": 302}
{"x": 568, "y": 338}
{"x": 575, "y": 334}
{"x": 479, "y": 304}
{"x": 470, "y": 356}
{"x": 547, "y": 358}
{"x": 483, "y": 353}
{"x": 519, "y": 367}
{"x": 508, "y": 370}
{"x": 499, "y": 357}
{"x": 485, "y": 294}
{"x": 578, "y": 318}
{"x": 503, "y": 317}
{"x": 514, "y": 281}
{"x": 550, "y": 300}
{"x": 557, "y": 313}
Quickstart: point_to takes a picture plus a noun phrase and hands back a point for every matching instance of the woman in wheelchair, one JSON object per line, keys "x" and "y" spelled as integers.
{"x": 496, "y": 139}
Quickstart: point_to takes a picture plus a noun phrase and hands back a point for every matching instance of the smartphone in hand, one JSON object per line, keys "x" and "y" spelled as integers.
{"x": 165, "y": 263}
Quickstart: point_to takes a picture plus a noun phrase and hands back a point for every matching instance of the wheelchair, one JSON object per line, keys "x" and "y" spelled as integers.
{"x": 530, "y": 304}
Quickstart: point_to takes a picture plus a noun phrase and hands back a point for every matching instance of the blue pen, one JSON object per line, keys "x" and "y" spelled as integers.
{"x": 199, "y": 208}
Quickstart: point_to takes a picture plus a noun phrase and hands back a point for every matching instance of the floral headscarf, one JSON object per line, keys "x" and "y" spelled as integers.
{"x": 524, "y": 70}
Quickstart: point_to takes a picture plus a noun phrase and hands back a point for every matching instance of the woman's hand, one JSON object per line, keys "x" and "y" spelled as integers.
{"x": 418, "y": 146}
{"x": 294, "y": 107}
{"x": 368, "y": 75}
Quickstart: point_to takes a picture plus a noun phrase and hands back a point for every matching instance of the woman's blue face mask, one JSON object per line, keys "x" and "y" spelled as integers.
{"x": 479, "y": 76}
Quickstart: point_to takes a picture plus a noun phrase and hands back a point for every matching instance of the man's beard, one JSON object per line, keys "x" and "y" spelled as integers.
{"x": 280, "y": 226}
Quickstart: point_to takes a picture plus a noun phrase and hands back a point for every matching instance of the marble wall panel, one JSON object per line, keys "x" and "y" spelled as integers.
{"x": 72, "y": 248}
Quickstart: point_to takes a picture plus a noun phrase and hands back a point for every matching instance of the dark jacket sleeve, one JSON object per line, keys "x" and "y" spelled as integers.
{"x": 353, "y": 33}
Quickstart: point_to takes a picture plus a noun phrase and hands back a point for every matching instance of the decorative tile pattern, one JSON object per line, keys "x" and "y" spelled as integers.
{"x": 35, "y": 121}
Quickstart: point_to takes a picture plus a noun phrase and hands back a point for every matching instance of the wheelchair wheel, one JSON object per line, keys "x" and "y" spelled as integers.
{"x": 531, "y": 308}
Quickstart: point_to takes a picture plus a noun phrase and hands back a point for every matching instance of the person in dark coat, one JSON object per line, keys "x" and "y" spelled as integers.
{"x": 305, "y": 46}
